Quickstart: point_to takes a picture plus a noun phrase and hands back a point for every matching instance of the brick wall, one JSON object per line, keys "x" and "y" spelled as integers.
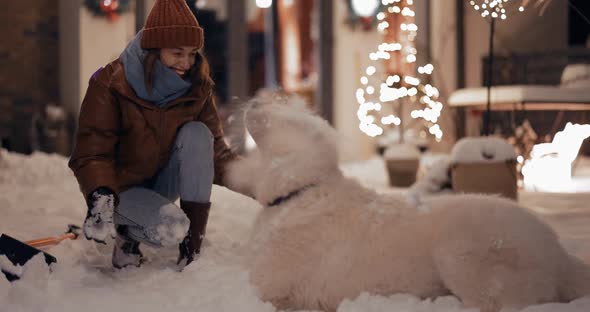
{"x": 29, "y": 67}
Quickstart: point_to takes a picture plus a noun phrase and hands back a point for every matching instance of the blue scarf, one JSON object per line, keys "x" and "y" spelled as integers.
{"x": 167, "y": 84}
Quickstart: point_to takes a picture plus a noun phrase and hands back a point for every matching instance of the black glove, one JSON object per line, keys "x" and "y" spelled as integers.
{"x": 186, "y": 250}
{"x": 198, "y": 214}
{"x": 99, "y": 219}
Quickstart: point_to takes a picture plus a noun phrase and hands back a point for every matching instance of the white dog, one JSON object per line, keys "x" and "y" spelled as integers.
{"x": 322, "y": 237}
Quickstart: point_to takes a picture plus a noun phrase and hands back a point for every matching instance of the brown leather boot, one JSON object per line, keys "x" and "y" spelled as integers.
{"x": 197, "y": 213}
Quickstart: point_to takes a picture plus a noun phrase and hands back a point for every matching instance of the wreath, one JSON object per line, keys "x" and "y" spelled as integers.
{"x": 110, "y": 9}
{"x": 365, "y": 22}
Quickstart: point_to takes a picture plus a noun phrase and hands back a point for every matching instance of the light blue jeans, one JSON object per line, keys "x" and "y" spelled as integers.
{"x": 147, "y": 212}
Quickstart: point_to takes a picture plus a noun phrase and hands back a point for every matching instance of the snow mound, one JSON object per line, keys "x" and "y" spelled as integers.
{"x": 576, "y": 76}
{"x": 33, "y": 170}
{"x": 482, "y": 150}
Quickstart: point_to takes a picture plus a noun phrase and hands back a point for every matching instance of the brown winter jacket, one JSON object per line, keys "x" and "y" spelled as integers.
{"x": 123, "y": 140}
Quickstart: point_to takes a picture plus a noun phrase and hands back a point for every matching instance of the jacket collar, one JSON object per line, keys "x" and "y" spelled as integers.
{"x": 120, "y": 85}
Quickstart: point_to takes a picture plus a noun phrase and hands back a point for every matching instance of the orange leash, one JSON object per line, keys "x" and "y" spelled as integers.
{"x": 50, "y": 241}
{"x": 72, "y": 233}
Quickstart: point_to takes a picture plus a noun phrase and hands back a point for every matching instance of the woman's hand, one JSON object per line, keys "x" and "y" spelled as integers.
{"x": 99, "y": 219}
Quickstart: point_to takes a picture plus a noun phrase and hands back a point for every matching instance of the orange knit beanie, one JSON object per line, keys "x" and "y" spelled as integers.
{"x": 171, "y": 24}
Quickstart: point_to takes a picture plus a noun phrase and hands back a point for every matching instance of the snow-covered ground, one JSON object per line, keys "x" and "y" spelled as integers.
{"x": 39, "y": 197}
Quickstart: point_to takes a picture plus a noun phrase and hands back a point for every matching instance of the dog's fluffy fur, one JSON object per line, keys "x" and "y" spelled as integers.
{"x": 335, "y": 239}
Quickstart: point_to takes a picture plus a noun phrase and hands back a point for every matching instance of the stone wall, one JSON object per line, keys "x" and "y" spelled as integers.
{"x": 29, "y": 65}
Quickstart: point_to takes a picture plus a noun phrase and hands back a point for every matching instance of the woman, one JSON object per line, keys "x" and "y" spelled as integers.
{"x": 148, "y": 134}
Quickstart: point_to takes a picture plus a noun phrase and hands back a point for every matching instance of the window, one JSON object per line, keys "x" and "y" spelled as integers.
{"x": 579, "y": 27}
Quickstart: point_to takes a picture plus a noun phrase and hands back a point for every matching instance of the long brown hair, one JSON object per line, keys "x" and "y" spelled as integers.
{"x": 200, "y": 72}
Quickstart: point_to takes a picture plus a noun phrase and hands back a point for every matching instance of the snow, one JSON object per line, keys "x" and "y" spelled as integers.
{"x": 40, "y": 197}
{"x": 482, "y": 150}
{"x": 7, "y": 266}
{"x": 174, "y": 232}
{"x": 402, "y": 302}
{"x": 401, "y": 151}
{"x": 99, "y": 225}
{"x": 576, "y": 76}
{"x": 519, "y": 94}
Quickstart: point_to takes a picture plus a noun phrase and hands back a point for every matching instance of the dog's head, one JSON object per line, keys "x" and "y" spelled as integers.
{"x": 295, "y": 148}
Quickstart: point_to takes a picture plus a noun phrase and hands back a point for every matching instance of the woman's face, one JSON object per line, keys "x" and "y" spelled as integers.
{"x": 179, "y": 59}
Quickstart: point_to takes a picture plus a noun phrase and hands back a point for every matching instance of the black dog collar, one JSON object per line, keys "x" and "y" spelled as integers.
{"x": 279, "y": 200}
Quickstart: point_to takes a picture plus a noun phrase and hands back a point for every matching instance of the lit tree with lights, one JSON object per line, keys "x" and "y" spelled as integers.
{"x": 398, "y": 85}
{"x": 493, "y": 9}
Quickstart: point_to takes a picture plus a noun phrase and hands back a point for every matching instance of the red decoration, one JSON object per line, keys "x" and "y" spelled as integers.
{"x": 109, "y": 8}
{"x": 367, "y": 22}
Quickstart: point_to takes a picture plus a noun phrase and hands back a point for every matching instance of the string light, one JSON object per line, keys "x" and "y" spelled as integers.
{"x": 391, "y": 87}
{"x": 493, "y": 8}
{"x": 263, "y": 4}
{"x": 365, "y": 7}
